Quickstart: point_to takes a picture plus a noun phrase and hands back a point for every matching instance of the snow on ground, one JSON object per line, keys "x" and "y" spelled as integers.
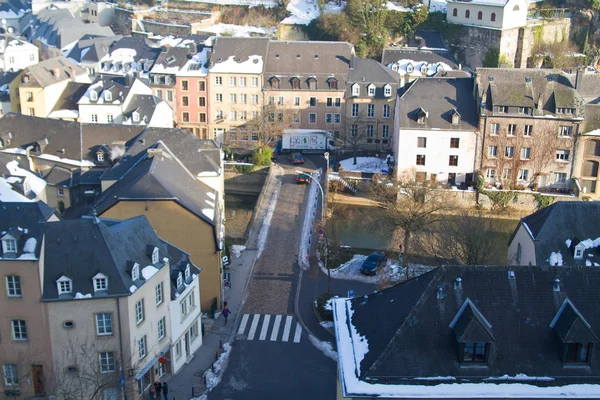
{"x": 264, "y": 230}
{"x": 364, "y": 164}
{"x": 311, "y": 207}
{"x": 325, "y": 347}
{"x": 396, "y": 7}
{"x": 333, "y": 8}
{"x": 214, "y": 377}
{"x": 303, "y": 11}
{"x": 436, "y": 5}
{"x": 239, "y": 30}
{"x": 237, "y": 249}
{"x": 389, "y": 274}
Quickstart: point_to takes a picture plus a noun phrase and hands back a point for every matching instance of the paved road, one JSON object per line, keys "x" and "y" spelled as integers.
{"x": 272, "y": 356}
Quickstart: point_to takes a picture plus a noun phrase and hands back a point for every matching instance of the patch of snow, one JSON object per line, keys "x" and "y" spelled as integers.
{"x": 133, "y": 288}
{"x": 64, "y": 114}
{"x": 333, "y": 8}
{"x": 519, "y": 377}
{"x": 36, "y": 184}
{"x": 209, "y": 213}
{"x": 364, "y": 164}
{"x": 329, "y": 304}
{"x": 196, "y": 66}
{"x": 15, "y": 150}
{"x": 30, "y": 245}
{"x": 396, "y": 7}
{"x": 51, "y": 157}
{"x": 264, "y": 230}
{"x": 149, "y": 271}
{"x": 27, "y": 256}
{"x": 221, "y": 29}
{"x": 327, "y": 324}
{"x": 302, "y": 12}
{"x": 325, "y": 347}
{"x": 436, "y": 5}
{"x": 79, "y": 296}
{"x": 237, "y": 249}
{"x": 8, "y": 194}
{"x": 253, "y": 65}
{"x": 556, "y": 259}
{"x": 417, "y": 68}
{"x": 214, "y": 375}
{"x": 568, "y": 243}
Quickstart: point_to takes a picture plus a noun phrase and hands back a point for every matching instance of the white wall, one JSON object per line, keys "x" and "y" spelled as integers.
{"x": 527, "y": 248}
{"x": 163, "y": 116}
{"x": 180, "y": 324}
{"x": 24, "y": 55}
{"x": 102, "y": 110}
{"x": 51, "y": 95}
{"x": 437, "y": 153}
{"x": 506, "y": 17}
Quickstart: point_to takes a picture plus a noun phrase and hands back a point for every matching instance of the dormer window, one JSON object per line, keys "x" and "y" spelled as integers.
{"x": 455, "y": 117}
{"x": 100, "y": 156}
{"x": 371, "y": 90}
{"x": 422, "y": 116}
{"x": 410, "y": 68}
{"x": 579, "y": 249}
{"x": 473, "y": 334}
{"x": 108, "y": 96}
{"x": 94, "y": 95}
{"x": 135, "y": 272}
{"x": 356, "y": 89}
{"x": 187, "y": 272}
{"x": 312, "y": 83}
{"x": 578, "y": 353}
{"x": 333, "y": 84}
{"x": 474, "y": 352}
{"x": 395, "y": 67}
{"x": 136, "y": 116}
{"x": 274, "y": 83}
{"x": 155, "y": 255}
{"x": 9, "y": 245}
{"x": 179, "y": 280}
{"x": 387, "y": 91}
{"x": 100, "y": 282}
{"x": 295, "y": 83}
{"x": 574, "y": 333}
{"x": 424, "y": 69}
{"x": 64, "y": 285}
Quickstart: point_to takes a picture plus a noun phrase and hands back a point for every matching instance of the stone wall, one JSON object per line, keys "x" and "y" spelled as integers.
{"x": 472, "y": 44}
{"x": 164, "y": 29}
{"x": 121, "y": 24}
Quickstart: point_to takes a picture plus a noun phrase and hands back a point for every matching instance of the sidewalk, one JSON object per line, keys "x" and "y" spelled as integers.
{"x": 216, "y": 332}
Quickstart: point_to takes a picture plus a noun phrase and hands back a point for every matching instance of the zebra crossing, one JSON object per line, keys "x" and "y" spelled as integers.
{"x": 283, "y": 328}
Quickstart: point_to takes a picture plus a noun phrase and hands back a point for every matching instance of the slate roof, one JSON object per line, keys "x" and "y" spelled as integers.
{"x": 510, "y": 87}
{"x": 16, "y": 7}
{"x": 59, "y": 28}
{"x": 43, "y": 73}
{"x": 592, "y": 117}
{"x": 63, "y": 139}
{"x": 70, "y": 96}
{"x": 240, "y": 48}
{"x": 81, "y": 248}
{"x": 6, "y": 78}
{"x": 63, "y": 177}
{"x": 144, "y": 105}
{"x": 589, "y": 87}
{"x": 367, "y": 71}
{"x": 439, "y": 97}
{"x": 179, "y": 261}
{"x": 319, "y": 60}
{"x": 392, "y": 55}
{"x": 91, "y": 48}
{"x": 144, "y": 49}
{"x": 162, "y": 177}
{"x": 30, "y": 216}
{"x": 411, "y": 339}
{"x": 553, "y": 225}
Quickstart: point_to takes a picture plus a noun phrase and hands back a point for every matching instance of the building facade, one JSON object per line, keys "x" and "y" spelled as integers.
{"x": 192, "y": 95}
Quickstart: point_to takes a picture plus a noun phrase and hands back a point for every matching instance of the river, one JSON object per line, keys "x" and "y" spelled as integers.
{"x": 238, "y": 212}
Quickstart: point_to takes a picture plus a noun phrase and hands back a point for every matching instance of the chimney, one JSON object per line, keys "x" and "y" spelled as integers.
{"x": 578, "y": 78}
{"x": 540, "y": 102}
{"x": 556, "y": 286}
{"x": 352, "y": 61}
{"x": 458, "y": 283}
{"x": 440, "y": 293}
{"x": 57, "y": 72}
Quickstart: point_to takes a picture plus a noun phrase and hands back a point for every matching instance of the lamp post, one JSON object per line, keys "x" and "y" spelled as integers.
{"x": 322, "y": 219}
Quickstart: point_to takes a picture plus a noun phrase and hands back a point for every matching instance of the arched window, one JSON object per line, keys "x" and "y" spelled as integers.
{"x": 516, "y": 8}
{"x": 455, "y": 12}
{"x": 479, "y": 15}
{"x": 493, "y": 16}
{"x": 467, "y": 14}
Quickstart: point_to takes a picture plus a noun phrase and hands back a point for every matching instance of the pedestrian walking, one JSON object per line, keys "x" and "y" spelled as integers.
{"x": 152, "y": 391}
{"x": 226, "y": 312}
{"x": 165, "y": 390}
{"x": 157, "y": 388}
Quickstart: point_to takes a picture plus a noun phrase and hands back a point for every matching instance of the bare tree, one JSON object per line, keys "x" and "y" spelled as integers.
{"x": 469, "y": 238}
{"x": 356, "y": 135}
{"x": 268, "y": 124}
{"x": 412, "y": 208}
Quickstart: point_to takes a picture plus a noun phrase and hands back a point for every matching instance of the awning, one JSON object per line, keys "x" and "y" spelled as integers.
{"x": 151, "y": 363}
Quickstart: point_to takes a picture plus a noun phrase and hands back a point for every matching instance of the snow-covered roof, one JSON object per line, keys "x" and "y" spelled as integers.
{"x": 252, "y": 65}
{"x": 417, "y": 68}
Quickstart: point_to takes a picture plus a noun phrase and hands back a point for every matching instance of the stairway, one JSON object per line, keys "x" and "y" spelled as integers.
{"x": 343, "y": 182}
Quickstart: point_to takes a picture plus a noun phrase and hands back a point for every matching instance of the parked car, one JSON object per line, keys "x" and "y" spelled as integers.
{"x": 369, "y": 266}
{"x": 296, "y": 158}
{"x": 302, "y": 178}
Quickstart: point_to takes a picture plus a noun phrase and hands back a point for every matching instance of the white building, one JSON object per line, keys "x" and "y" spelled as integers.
{"x": 435, "y": 132}
{"x": 493, "y": 14}
{"x": 123, "y": 100}
{"x": 16, "y": 54}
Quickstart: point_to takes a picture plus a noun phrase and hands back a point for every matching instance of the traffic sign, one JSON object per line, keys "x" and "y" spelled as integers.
{"x": 122, "y": 381}
{"x": 351, "y": 293}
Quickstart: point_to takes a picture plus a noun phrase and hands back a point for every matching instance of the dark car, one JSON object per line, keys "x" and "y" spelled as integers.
{"x": 303, "y": 178}
{"x": 369, "y": 266}
{"x": 296, "y": 158}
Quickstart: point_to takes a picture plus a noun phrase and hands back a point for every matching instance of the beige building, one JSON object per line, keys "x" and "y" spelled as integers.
{"x": 43, "y": 84}
{"x": 587, "y": 159}
{"x": 111, "y": 318}
{"x": 26, "y": 360}
{"x": 235, "y": 85}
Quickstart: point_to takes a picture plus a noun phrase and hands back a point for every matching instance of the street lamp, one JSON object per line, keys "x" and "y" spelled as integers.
{"x": 322, "y": 193}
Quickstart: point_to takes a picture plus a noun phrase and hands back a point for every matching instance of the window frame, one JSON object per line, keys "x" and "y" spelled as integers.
{"x": 474, "y": 346}
{"x": 161, "y": 328}
{"x": 454, "y": 143}
{"x": 453, "y": 160}
{"x": 370, "y": 110}
{"x": 17, "y": 289}
{"x": 386, "y": 111}
{"x": 158, "y": 292}
{"x": 105, "y": 358}
{"x": 101, "y": 322}
{"x": 420, "y": 160}
{"x": 142, "y": 347}
{"x": 578, "y": 347}
{"x": 19, "y": 325}
{"x": 139, "y": 312}
{"x": 14, "y": 375}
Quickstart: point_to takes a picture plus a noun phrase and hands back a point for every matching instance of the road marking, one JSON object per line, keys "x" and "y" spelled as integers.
{"x": 265, "y": 327}
{"x": 298, "y": 333}
{"x": 253, "y": 327}
{"x": 275, "y": 330}
{"x": 286, "y": 329}
{"x": 243, "y": 324}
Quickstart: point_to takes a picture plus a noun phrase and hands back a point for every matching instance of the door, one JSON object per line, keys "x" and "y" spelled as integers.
{"x": 37, "y": 373}
{"x": 187, "y": 344}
